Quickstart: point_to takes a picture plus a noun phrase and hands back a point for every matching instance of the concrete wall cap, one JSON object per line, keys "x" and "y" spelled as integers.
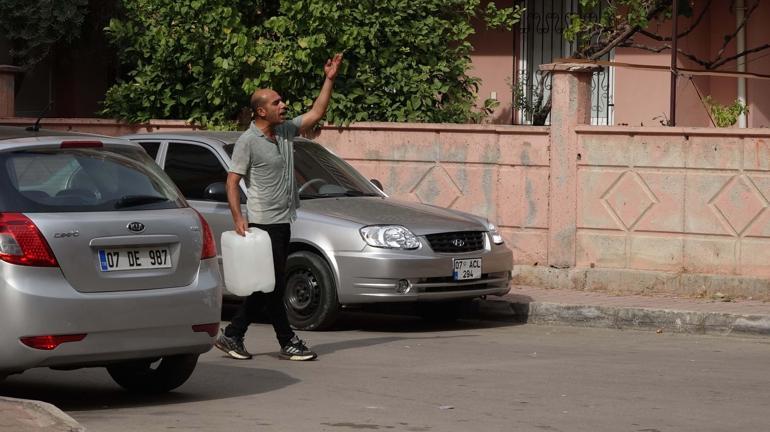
{"x": 570, "y": 67}
{"x": 10, "y": 69}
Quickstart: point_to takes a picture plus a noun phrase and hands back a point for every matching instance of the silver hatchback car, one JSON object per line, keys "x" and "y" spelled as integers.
{"x": 351, "y": 243}
{"x": 102, "y": 262}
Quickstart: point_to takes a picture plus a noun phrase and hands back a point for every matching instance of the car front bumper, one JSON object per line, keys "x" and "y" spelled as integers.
{"x": 372, "y": 275}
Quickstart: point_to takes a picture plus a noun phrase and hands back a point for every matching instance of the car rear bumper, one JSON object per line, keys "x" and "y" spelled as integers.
{"x": 118, "y": 325}
{"x": 366, "y": 278}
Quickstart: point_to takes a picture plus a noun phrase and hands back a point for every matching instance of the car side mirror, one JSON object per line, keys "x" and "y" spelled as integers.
{"x": 378, "y": 184}
{"x": 216, "y": 192}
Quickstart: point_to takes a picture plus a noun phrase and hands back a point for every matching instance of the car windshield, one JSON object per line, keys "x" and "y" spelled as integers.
{"x": 83, "y": 179}
{"x": 321, "y": 174}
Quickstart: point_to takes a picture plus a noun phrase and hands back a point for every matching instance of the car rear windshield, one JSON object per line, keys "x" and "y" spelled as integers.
{"x": 83, "y": 179}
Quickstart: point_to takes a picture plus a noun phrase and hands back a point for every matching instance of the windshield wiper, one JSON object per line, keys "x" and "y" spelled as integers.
{"x": 311, "y": 196}
{"x": 349, "y": 193}
{"x": 137, "y": 200}
{"x": 357, "y": 193}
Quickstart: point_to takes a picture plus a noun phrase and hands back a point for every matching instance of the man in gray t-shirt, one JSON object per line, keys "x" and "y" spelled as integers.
{"x": 264, "y": 158}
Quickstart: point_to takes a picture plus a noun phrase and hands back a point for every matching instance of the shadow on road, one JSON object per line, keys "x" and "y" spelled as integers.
{"x": 92, "y": 389}
{"x": 385, "y": 321}
{"x": 404, "y": 317}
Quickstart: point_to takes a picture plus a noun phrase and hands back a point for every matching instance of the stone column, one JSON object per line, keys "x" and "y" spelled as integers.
{"x": 7, "y": 90}
{"x": 570, "y": 106}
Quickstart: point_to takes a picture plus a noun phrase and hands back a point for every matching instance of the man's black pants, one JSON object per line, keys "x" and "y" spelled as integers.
{"x": 280, "y": 234}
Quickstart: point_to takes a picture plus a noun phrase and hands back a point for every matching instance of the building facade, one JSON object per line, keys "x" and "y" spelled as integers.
{"x": 632, "y": 96}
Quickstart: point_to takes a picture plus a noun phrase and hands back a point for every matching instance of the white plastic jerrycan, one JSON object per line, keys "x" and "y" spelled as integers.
{"x": 248, "y": 262}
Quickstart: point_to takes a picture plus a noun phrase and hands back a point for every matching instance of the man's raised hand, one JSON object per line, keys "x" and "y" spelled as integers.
{"x": 332, "y": 66}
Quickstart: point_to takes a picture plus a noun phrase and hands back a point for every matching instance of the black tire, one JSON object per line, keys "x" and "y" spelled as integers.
{"x": 311, "y": 294}
{"x": 144, "y": 376}
{"x": 442, "y": 311}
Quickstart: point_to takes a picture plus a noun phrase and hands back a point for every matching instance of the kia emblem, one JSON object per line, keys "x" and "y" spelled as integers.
{"x": 136, "y": 227}
{"x": 458, "y": 242}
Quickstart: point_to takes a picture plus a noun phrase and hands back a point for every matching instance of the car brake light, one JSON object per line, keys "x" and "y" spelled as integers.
{"x": 22, "y": 243}
{"x": 212, "y": 328}
{"x": 209, "y": 249}
{"x": 50, "y": 342}
{"x": 80, "y": 144}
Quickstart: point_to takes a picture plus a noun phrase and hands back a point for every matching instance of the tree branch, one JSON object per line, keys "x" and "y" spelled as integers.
{"x": 730, "y": 37}
{"x": 716, "y": 64}
{"x": 690, "y": 56}
{"x": 627, "y": 32}
{"x": 708, "y": 65}
{"x": 684, "y": 33}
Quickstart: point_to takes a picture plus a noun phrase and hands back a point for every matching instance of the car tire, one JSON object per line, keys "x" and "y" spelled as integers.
{"x": 143, "y": 376}
{"x": 442, "y": 311}
{"x": 311, "y": 294}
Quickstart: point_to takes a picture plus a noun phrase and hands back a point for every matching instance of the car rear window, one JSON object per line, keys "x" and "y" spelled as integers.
{"x": 83, "y": 179}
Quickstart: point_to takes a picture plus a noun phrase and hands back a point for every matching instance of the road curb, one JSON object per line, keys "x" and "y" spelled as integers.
{"x": 25, "y": 415}
{"x": 637, "y": 318}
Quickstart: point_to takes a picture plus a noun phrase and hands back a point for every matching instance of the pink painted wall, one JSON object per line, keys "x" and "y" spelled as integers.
{"x": 99, "y": 126}
{"x": 641, "y": 95}
{"x": 492, "y": 59}
{"x": 759, "y": 90}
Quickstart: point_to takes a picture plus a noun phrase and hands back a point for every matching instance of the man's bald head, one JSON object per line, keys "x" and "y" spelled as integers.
{"x": 260, "y": 98}
{"x": 266, "y": 104}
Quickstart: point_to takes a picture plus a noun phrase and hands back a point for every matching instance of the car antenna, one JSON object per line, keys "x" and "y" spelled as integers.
{"x": 36, "y": 126}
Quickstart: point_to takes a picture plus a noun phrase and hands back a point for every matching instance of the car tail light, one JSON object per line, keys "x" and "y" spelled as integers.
{"x": 80, "y": 144}
{"x": 22, "y": 243}
{"x": 212, "y": 328}
{"x": 50, "y": 342}
{"x": 209, "y": 249}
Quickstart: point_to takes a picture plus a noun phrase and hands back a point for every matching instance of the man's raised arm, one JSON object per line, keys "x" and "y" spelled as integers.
{"x": 310, "y": 118}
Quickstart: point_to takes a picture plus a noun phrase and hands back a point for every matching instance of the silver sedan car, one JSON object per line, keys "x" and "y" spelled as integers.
{"x": 351, "y": 243}
{"x": 102, "y": 262}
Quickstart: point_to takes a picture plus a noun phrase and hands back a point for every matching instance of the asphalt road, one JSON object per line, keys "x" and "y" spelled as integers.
{"x": 392, "y": 373}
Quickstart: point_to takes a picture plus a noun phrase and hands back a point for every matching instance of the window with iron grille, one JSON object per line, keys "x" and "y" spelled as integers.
{"x": 541, "y": 42}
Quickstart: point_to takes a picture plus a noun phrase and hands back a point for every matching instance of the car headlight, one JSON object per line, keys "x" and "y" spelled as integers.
{"x": 389, "y": 236}
{"x": 496, "y": 237}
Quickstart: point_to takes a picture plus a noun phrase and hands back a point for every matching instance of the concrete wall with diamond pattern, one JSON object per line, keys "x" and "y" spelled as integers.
{"x": 500, "y": 172}
{"x": 618, "y": 209}
{"x": 692, "y": 203}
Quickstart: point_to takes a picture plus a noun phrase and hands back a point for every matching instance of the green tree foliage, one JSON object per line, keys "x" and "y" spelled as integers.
{"x": 187, "y": 58}
{"x": 200, "y": 59}
{"x": 33, "y": 26}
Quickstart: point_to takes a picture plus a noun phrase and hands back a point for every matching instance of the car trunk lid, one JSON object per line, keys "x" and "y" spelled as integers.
{"x": 124, "y": 251}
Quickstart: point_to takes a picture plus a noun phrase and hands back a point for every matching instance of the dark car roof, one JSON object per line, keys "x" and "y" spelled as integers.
{"x": 14, "y": 132}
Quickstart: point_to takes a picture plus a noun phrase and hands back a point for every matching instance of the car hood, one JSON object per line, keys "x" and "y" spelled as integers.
{"x": 421, "y": 219}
